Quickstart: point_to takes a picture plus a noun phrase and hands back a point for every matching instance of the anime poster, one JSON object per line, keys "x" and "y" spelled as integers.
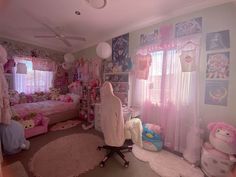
{"x": 216, "y": 92}
{"x": 149, "y": 38}
{"x": 218, "y": 66}
{"x": 218, "y": 40}
{"x": 120, "y": 52}
{"x": 189, "y": 27}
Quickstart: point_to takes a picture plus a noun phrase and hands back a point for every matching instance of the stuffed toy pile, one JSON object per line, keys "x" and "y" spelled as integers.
{"x": 218, "y": 155}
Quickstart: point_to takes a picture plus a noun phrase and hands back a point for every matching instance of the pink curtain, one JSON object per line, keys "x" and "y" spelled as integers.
{"x": 169, "y": 96}
{"x": 34, "y": 80}
{"x": 43, "y": 64}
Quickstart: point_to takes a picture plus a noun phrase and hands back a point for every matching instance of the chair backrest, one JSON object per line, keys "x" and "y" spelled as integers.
{"x": 112, "y": 121}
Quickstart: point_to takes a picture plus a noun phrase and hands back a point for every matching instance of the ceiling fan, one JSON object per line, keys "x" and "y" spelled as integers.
{"x": 64, "y": 38}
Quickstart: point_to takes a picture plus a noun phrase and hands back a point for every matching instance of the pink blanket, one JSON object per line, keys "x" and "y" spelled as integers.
{"x": 45, "y": 107}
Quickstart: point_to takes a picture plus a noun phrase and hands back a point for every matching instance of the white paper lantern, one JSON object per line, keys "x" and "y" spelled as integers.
{"x": 67, "y": 66}
{"x": 103, "y": 50}
{"x": 69, "y": 58}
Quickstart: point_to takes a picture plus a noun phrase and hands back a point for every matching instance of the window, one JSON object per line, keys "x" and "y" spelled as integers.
{"x": 34, "y": 80}
{"x": 165, "y": 80}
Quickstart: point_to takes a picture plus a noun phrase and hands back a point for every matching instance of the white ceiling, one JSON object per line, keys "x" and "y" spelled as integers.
{"x": 118, "y": 17}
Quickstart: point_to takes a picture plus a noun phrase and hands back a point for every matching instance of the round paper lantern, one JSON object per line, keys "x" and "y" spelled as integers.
{"x": 67, "y": 66}
{"x": 103, "y": 50}
{"x": 69, "y": 58}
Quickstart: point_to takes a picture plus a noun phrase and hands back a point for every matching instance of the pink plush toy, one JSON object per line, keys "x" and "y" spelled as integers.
{"x": 223, "y": 138}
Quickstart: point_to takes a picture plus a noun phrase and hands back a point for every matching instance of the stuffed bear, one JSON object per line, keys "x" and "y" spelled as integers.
{"x": 54, "y": 93}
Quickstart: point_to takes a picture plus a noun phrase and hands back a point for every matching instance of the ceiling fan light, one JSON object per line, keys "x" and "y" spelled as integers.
{"x": 97, "y": 4}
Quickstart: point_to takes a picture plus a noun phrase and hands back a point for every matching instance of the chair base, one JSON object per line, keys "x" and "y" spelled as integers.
{"x": 115, "y": 150}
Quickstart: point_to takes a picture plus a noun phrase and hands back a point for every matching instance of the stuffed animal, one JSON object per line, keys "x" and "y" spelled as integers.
{"x": 14, "y": 97}
{"x": 223, "y": 138}
{"x": 54, "y": 93}
{"x": 23, "y": 98}
{"x": 218, "y": 155}
{"x": 28, "y": 123}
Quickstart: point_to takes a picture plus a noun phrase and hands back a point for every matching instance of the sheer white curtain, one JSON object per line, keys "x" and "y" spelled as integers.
{"x": 168, "y": 97}
{"x": 34, "y": 80}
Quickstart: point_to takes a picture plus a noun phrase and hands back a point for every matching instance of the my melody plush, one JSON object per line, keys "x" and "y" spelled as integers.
{"x": 219, "y": 154}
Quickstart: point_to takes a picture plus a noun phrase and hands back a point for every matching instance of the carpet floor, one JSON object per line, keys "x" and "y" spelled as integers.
{"x": 113, "y": 168}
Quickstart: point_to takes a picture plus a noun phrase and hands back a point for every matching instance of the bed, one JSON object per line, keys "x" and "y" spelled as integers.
{"x": 56, "y": 111}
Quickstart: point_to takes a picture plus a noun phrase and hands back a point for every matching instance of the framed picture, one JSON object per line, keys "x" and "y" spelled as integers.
{"x": 189, "y": 27}
{"x": 218, "y": 40}
{"x": 120, "y": 51}
{"x": 216, "y": 92}
{"x": 218, "y": 66}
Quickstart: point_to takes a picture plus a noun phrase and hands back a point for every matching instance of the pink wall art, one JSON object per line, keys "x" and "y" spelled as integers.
{"x": 216, "y": 92}
{"x": 188, "y": 27}
{"x": 218, "y": 65}
{"x": 218, "y": 40}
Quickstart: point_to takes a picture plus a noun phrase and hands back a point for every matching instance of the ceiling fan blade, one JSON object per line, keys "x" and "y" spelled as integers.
{"x": 41, "y": 22}
{"x": 75, "y": 38}
{"x": 65, "y": 42}
{"x": 45, "y": 36}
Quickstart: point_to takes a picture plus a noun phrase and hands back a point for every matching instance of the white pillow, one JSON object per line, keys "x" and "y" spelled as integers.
{"x": 74, "y": 97}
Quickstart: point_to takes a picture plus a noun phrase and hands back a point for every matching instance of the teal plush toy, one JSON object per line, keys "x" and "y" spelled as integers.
{"x": 151, "y": 140}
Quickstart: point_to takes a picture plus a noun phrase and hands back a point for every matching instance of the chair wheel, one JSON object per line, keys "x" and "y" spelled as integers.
{"x": 102, "y": 164}
{"x": 126, "y": 164}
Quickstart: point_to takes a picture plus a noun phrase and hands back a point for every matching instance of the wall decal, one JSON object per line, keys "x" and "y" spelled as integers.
{"x": 218, "y": 65}
{"x": 19, "y": 49}
{"x": 189, "y": 27}
{"x": 218, "y": 40}
{"x": 216, "y": 92}
{"x": 120, "y": 52}
{"x": 149, "y": 38}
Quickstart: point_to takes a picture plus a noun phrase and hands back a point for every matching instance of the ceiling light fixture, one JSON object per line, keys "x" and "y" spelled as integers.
{"x": 77, "y": 12}
{"x": 97, "y": 4}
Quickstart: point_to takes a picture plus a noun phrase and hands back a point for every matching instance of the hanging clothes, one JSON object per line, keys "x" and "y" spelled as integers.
{"x": 141, "y": 66}
{"x": 188, "y": 60}
{"x": 5, "y": 111}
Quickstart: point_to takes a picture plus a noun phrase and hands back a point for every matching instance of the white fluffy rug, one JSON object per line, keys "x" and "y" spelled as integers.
{"x": 167, "y": 164}
{"x": 68, "y": 156}
{"x": 14, "y": 170}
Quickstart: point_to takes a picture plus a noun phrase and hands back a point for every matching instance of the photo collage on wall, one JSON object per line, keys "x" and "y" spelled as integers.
{"x": 217, "y": 69}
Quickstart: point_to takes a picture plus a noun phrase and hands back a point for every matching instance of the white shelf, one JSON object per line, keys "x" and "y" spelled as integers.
{"x": 119, "y": 82}
{"x": 117, "y": 73}
{"x": 121, "y": 92}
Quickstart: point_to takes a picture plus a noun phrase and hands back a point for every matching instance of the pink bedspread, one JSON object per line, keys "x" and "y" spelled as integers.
{"x": 45, "y": 107}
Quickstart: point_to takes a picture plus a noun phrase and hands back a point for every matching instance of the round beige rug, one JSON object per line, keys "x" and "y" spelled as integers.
{"x": 68, "y": 156}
